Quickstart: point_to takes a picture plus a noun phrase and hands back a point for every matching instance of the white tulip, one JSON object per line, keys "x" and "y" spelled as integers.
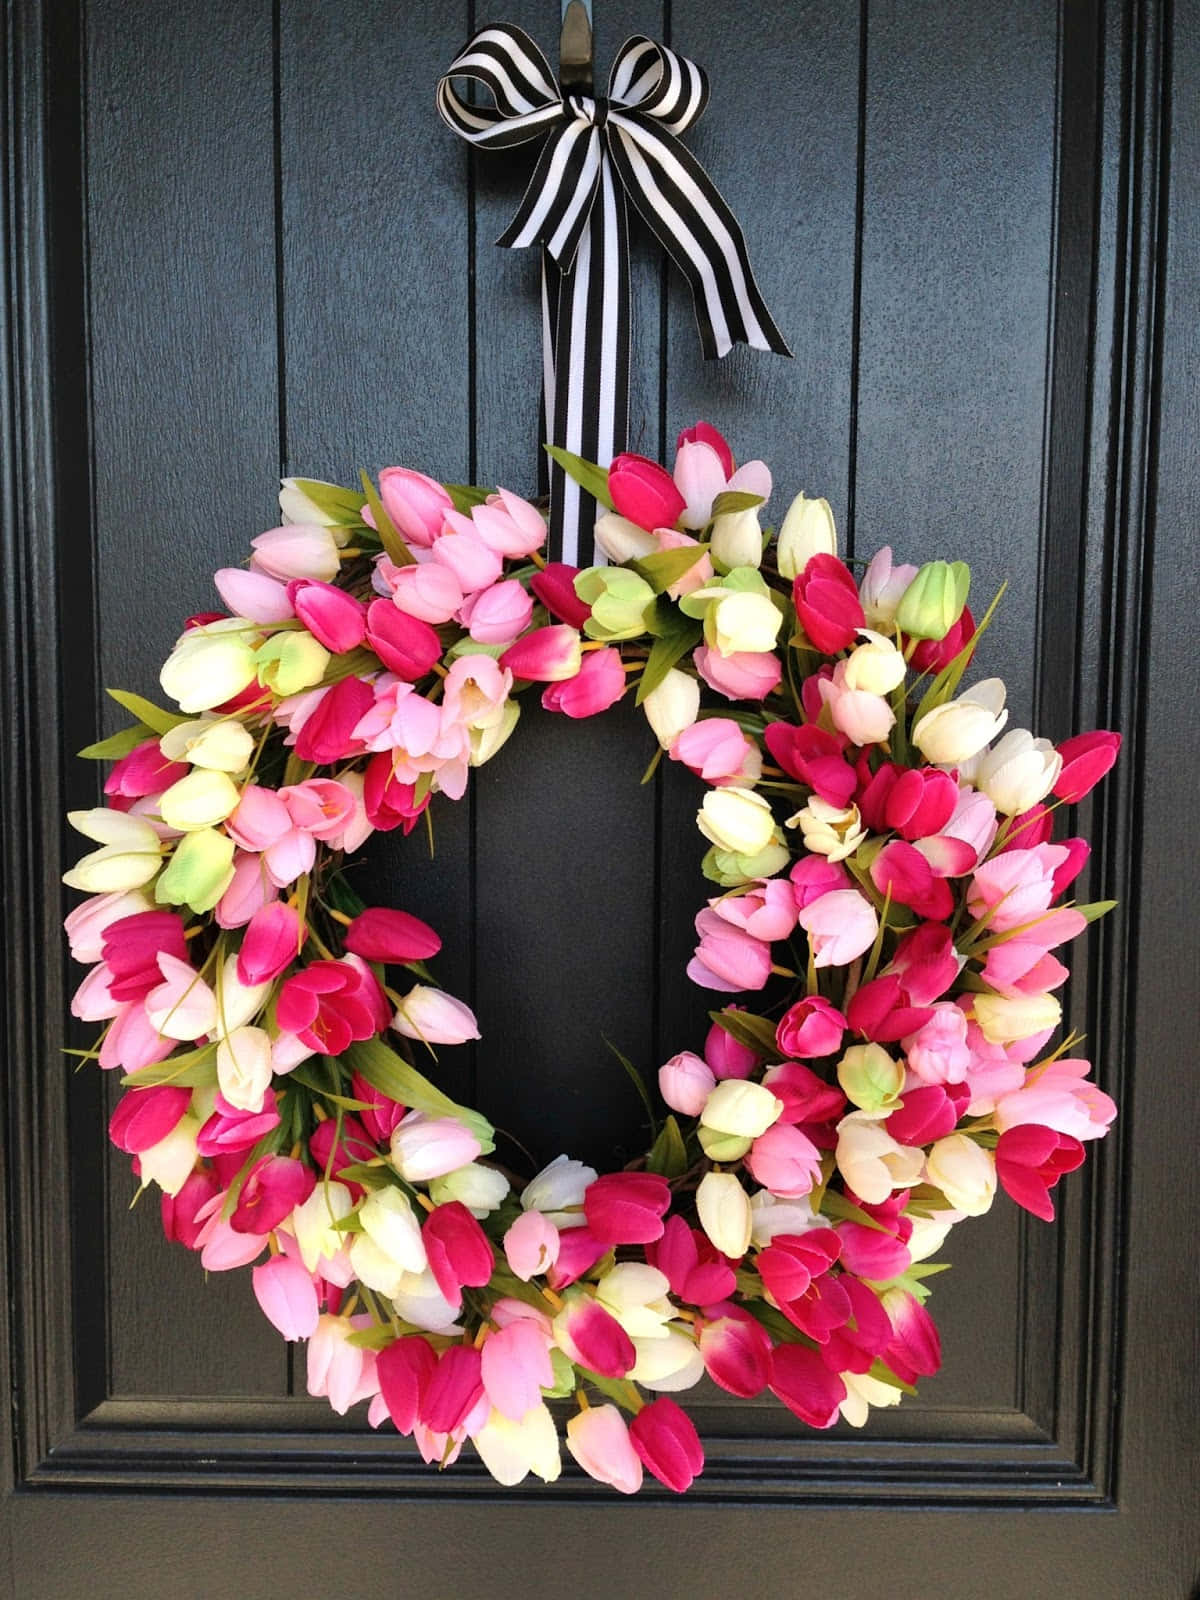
{"x": 958, "y": 730}
{"x": 808, "y": 530}
{"x": 724, "y": 1210}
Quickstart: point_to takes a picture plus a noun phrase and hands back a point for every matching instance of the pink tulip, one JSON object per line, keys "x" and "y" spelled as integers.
{"x": 666, "y": 1440}
{"x": 531, "y": 1245}
{"x": 460, "y": 549}
{"x": 221, "y": 1248}
{"x": 736, "y": 1350}
{"x": 785, "y": 1161}
{"x": 333, "y": 617}
{"x": 767, "y": 910}
{"x": 329, "y": 1004}
{"x": 498, "y": 614}
{"x": 805, "y": 1385}
{"x": 727, "y": 959}
{"x": 416, "y": 504}
{"x": 685, "y": 1083}
{"x": 515, "y": 1367}
{"x": 272, "y": 1190}
{"x": 578, "y": 1252}
{"x": 974, "y": 821}
{"x": 864, "y": 717}
{"x": 718, "y": 751}
{"x": 1016, "y": 886}
{"x": 705, "y": 433}
{"x": 253, "y": 595}
{"x": 272, "y": 941}
{"x": 287, "y": 1296}
{"x": 434, "y": 1017}
{"x": 320, "y": 806}
{"x": 627, "y": 1207}
{"x": 840, "y": 926}
{"x": 599, "y": 684}
{"x": 404, "y": 1369}
{"x": 937, "y": 1052}
{"x": 811, "y": 1028}
{"x": 132, "y": 1041}
{"x": 429, "y": 1147}
{"x": 725, "y": 1055}
{"x": 230, "y": 1129}
{"x": 454, "y": 1389}
{"x": 554, "y": 586}
{"x": 131, "y": 947}
{"x": 1029, "y": 1162}
{"x": 697, "y": 1274}
{"x": 180, "y": 1220}
{"x": 344, "y": 1373}
{"x": 827, "y": 604}
{"x": 915, "y": 1350}
{"x": 331, "y": 1151}
{"x": 296, "y": 551}
{"x": 1086, "y": 758}
{"x": 395, "y": 937}
{"x": 145, "y": 770}
{"x": 457, "y": 1249}
{"x": 86, "y": 924}
{"x": 644, "y": 492}
{"x": 182, "y": 1006}
{"x": 697, "y": 575}
{"x": 143, "y": 1117}
{"x": 327, "y": 734}
{"x": 430, "y": 591}
{"x": 1058, "y": 1096}
{"x": 381, "y": 1115}
{"x": 1023, "y": 966}
{"x": 744, "y": 675}
{"x": 389, "y": 802}
{"x": 510, "y": 525}
{"x": 547, "y": 655}
{"x": 599, "y": 1441}
{"x": 249, "y": 890}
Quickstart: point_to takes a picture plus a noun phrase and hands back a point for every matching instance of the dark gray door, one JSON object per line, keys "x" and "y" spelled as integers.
{"x": 241, "y": 242}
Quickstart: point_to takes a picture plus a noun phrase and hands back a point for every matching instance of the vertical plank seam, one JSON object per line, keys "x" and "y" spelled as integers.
{"x": 860, "y": 176}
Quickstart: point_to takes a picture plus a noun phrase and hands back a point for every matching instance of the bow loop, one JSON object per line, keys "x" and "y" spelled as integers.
{"x": 658, "y": 82}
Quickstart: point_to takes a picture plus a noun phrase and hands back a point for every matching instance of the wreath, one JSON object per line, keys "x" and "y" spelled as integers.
{"x": 881, "y": 857}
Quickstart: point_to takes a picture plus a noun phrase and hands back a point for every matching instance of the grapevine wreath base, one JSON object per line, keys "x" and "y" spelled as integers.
{"x": 879, "y": 849}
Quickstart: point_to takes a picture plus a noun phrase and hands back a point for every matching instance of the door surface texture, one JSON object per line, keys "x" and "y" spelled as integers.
{"x": 240, "y": 243}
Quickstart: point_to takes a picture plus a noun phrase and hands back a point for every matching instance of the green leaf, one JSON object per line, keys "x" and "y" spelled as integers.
{"x": 837, "y": 1206}
{"x": 466, "y": 496}
{"x": 884, "y": 1374}
{"x": 195, "y": 1069}
{"x": 666, "y": 567}
{"x": 636, "y": 1079}
{"x": 343, "y": 505}
{"x": 756, "y": 1033}
{"x": 1096, "y": 909}
{"x": 591, "y": 479}
{"x": 621, "y": 1390}
{"x": 668, "y": 1154}
{"x": 730, "y": 500}
{"x": 397, "y": 550}
{"x": 309, "y": 1079}
{"x": 342, "y": 897}
{"x": 674, "y": 635}
{"x": 117, "y": 744}
{"x": 375, "y": 1338}
{"x": 154, "y": 717}
{"x": 392, "y": 1075}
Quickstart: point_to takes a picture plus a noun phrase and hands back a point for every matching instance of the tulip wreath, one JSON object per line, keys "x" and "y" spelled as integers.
{"x": 878, "y": 849}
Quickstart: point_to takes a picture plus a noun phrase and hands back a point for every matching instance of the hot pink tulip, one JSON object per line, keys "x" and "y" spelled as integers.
{"x": 806, "y": 1097}
{"x": 925, "y": 962}
{"x": 697, "y": 1274}
{"x": 329, "y": 1004}
{"x": 858, "y": 1342}
{"x": 726, "y": 1057}
{"x": 287, "y": 1296}
{"x": 404, "y": 1369}
{"x": 1078, "y": 852}
{"x": 805, "y": 1385}
{"x": 272, "y": 941}
{"x": 327, "y": 734}
{"x": 531, "y": 1245}
{"x": 1029, "y": 1162}
{"x": 827, "y": 604}
{"x": 457, "y": 1249}
{"x": 510, "y": 525}
{"x": 736, "y": 1350}
{"x": 144, "y": 1117}
{"x": 840, "y": 926}
{"x": 396, "y": 937}
{"x": 554, "y": 586}
{"x": 744, "y": 675}
{"x": 902, "y": 871}
{"x": 381, "y": 1115}
{"x": 644, "y": 492}
{"x": 145, "y": 770}
{"x": 881, "y": 1011}
{"x": 273, "y": 1189}
{"x": 813, "y": 756}
{"x": 454, "y": 1389}
{"x": 921, "y": 802}
{"x": 332, "y": 1151}
{"x": 599, "y": 1441}
{"x": 131, "y": 947}
{"x": 874, "y": 1253}
{"x": 727, "y": 959}
{"x": 811, "y": 1028}
{"x": 578, "y": 1252}
{"x": 230, "y": 1129}
{"x": 927, "y": 1111}
{"x": 547, "y": 655}
{"x": 405, "y": 644}
{"x": 599, "y": 684}
{"x": 931, "y": 655}
{"x": 915, "y": 1350}
{"x": 180, "y": 1220}
{"x": 389, "y": 802}
{"x": 666, "y": 1440}
{"x": 332, "y": 616}
{"x": 627, "y": 1207}
{"x": 785, "y": 1161}
{"x": 792, "y": 1261}
{"x": 515, "y": 1367}
{"x": 1086, "y": 758}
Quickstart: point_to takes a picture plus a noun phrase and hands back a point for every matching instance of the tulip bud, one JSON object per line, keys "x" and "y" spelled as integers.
{"x": 964, "y": 1172}
{"x": 599, "y": 1441}
{"x": 481, "y": 1189}
{"x": 742, "y": 622}
{"x": 244, "y": 1069}
{"x": 738, "y": 1106}
{"x": 882, "y": 588}
{"x": 644, "y": 492}
{"x": 808, "y": 530}
{"x": 1018, "y": 772}
{"x": 219, "y": 744}
{"x": 430, "y": 1147}
{"x": 434, "y": 1018}
{"x": 389, "y": 1221}
{"x": 199, "y": 871}
{"x": 558, "y": 1191}
{"x": 934, "y": 600}
{"x": 672, "y": 706}
{"x": 685, "y": 1083}
{"x": 531, "y": 1245}
{"x": 869, "y": 1077}
{"x": 622, "y": 540}
{"x": 130, "y": 853}
{"x": 547, "y": 655}
{"x": 298, "y": 550}
{"x": 877, "y": 666}
{"x": 737, "y": 820}
{"x": 954, "y": 732}
{"x": 619, "y": 600}
{"x": 1005, "y": 1021}
{"x": 416, "y": 504}
{"x": 871, "y": 1161}
{"x": 737, "y": 540}
{"x": 298, "y": 506}
{"x": 287, "y": 1296}
{"x": 200, "y": 800}
{"x": 170, "y": 1162}
{"x": 723, "y": 1207}
{"x": 485, "y": 742}
{"x": 209, "y": 665}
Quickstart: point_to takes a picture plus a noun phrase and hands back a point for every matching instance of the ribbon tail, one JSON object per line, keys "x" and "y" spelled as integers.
{"x": 590, "y": 409}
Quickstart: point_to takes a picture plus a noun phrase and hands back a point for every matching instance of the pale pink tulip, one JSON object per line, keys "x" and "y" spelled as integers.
{"x": 717, "y": 750}
{"x": 287, "y": 1296}
{"x": 254, "y": 595}
{"x": 299, "y": 550}
{"x": 416, "y": 504}
{"x": 744, "y": 675}
{"x": 510, "y": 525}
{"x": 498, "y": 614}
{"x": 531, "y": 1245}
{"x": 840, "y": 926}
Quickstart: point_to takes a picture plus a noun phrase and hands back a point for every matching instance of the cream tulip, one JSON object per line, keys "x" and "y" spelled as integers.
{"x": 958, "y": 730}
{"x": 724, "y": 1210}
{"x": 672, "y": 706}
{"x": 965, "y": 1173}
{"x": 737, "y": 820}
{"x": 808, "y": 530}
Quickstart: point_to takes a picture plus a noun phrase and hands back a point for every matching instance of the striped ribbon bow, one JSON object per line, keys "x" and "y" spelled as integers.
{"x": 598, "y": 151}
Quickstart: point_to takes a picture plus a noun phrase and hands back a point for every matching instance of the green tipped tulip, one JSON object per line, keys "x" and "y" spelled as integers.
{"x": 934, "y": 600}
{"x": 718, "y": 1146}
{"x": 198, "y": 872}
{"x": 290, "y": 662}
{"x": 869, "y": 1077}
{"x": 619, "y": 600}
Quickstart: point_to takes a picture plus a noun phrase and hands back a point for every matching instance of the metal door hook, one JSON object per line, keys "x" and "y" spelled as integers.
{"x": 575, "y": 46}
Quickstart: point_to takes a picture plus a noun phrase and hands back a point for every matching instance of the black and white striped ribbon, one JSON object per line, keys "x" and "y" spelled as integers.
{"x": 598, "y": 152}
